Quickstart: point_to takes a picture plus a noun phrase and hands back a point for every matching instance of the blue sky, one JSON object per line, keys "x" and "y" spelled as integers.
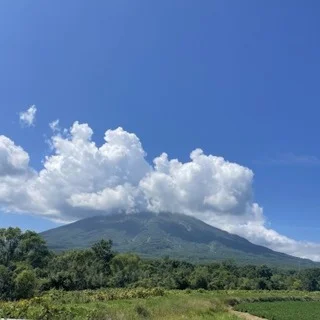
{"x": 238, "y": 79}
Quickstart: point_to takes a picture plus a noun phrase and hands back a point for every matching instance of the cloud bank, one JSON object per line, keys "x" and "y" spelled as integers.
{"x": 27, "y": 118}
{"x": 80, "y": 179}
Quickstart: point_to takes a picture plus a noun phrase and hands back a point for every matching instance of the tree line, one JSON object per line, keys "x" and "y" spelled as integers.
{"x": 27, "y": 268}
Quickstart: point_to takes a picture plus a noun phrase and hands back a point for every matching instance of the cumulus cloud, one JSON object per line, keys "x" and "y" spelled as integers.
{"x": 13, "y": 159}
{"x": 80, "y": 179}
{"x": 28, "y": 117}
{"x": 15, "y": 174}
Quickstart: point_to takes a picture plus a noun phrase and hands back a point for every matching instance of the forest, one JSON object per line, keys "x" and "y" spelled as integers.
{"x": 28, "y": 268}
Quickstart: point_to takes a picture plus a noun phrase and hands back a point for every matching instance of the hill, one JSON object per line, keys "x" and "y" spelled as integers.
{"x": 177, "y": 236}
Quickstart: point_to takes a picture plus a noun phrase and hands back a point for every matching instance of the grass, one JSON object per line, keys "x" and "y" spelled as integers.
{"x": 102, "y": 306}
{"x": 135, "y": 304}
{"x": 169, "y": 307}
{"x": 283, "y": 310}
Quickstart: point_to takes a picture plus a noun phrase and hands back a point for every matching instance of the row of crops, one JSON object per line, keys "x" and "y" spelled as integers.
{"x": 283, "y": 310}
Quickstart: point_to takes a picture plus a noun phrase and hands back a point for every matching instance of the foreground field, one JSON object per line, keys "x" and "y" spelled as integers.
{"x": 119, "y": 304}
{"x": 132, "y": 304}
{"x": 283, "y": 310}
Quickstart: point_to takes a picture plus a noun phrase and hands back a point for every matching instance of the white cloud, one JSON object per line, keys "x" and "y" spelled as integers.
{"x": 205, "y": 184}
{"x": 54, "y": 125}
{"x": 28, "y": 117}
{"x": 13, "y": 159}
{"x": 80, "y": 179}
{"x": 15, "y": 174}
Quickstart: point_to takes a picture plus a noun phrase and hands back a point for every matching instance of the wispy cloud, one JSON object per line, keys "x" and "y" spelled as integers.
{"x": 290, "y": 159}
{"x": 28, "y": 117}
{"x": 54, "y": 125}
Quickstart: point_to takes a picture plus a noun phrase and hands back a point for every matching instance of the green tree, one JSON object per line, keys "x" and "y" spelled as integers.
{"x": 25, "y": 284}
{"x": 74, "y": 270}
{"x": 9, "y": 241}
{"x": 5, "y": 283}
{"x": 33, "y": 249}
{"x": 125, "y": 269}
{"x": 103, "y": 253}
{"x": 199, "y": 278}
{"x": 264, "y": 272}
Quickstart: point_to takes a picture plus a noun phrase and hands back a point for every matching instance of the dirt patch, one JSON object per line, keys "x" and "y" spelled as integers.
{"x": 245, "y": 316}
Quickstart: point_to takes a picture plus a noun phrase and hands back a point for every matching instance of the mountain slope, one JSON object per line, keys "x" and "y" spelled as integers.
{"x": 166, "y": 234}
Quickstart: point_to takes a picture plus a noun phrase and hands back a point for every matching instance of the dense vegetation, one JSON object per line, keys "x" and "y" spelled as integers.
{"x": 283, "y": 310}
{"x": 27, "y": 268}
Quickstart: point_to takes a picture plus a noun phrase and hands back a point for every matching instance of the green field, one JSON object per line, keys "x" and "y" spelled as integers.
{"x": 134, "y": 304}
{"x": 119, "y": 304}
{"x": 283, "y": 310}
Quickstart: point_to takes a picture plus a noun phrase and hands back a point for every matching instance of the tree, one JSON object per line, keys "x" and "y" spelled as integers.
{"x": 125, "y": 269}
{"x": 310, "y": 279}
{"x": 264, "y": 272}
{"x": 25, "y": 284}
{"x": 277, "y": 282}
{"x": 74, "y": 270}
{"x": 199, "y": 278}
{"x": 16, "y": 246}
{"x": 9, "y": 241}
{"x": 33, "y": 249}
{"x": 103, "y": 253}
{"x": 5, "y": 283}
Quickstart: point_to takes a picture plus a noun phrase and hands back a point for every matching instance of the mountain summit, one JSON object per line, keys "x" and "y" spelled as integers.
{"x": 166, "y": 234}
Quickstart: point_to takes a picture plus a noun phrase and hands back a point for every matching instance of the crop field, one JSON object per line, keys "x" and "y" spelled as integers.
{"x": 283, "y": 310}
{"x": 139, "y": 303}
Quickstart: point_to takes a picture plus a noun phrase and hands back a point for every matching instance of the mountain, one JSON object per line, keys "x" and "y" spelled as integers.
{"x": 165, "y": 234}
